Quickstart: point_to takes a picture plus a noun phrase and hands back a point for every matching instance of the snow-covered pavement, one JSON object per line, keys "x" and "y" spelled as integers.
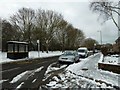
{"x": 85, "y": 74}
{"x": 90, "y": 63}
{"x": 32, "y": 54}
{"x": 89, "y": 68}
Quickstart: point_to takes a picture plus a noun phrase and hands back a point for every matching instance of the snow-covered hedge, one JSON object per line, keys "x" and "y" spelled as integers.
{"x": 101, "y": 58}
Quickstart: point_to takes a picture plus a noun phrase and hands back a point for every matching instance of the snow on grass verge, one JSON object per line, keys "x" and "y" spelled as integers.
{"x": 69, "y": 80}
{"x": 32, "y": 54}
{"x": 112, "y": 60}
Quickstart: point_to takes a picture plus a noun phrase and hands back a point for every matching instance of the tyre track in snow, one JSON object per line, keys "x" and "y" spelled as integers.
{"x": 11, "y": 70}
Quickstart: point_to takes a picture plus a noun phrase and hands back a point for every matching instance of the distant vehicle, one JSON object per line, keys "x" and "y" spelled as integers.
{"x": 83, "y": 52}
{"x": 95, "y": 51}
{"x": 69, "y": 56}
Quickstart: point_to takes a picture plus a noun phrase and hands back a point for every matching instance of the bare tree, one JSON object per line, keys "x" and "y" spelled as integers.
{"x": 69, "y": 37}
{"x": 8, "y": 33}
{"x": 89, "y": 43}
{"x": 61, "y": 34}
{"x": 48, "y": 22}
{"x": 47, "y": 26}
{"x": 79, "y": 37}
{"x": 74, "y": 37}
{"x": 23, "y": 21}
{"x": 106, "y": 9}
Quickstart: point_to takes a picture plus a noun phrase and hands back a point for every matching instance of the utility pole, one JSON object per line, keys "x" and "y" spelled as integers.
{"x": 0, "y": 49}
{"x": 118, "y": 27}
{"x": 0, "y": 34}
{"x": 38, "y": 42}
{"x": 100, "y": 36}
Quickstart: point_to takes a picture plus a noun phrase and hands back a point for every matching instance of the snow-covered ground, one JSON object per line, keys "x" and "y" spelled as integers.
{"x": 70, "y": 80}
{"x": 89, "y": 68}
{"x": 32, "y": 54}
{"x": 113, "y": 59}
{"x": 51, "y": 69}
{"x": 85, "y": 74}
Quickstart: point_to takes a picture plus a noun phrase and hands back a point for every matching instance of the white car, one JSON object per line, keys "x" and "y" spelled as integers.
{"x": 69, "y": 56}
{"x": 83, "y": 52}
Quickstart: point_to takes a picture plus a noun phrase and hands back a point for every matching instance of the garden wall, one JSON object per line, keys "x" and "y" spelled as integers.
{"x": 109, "y": 67}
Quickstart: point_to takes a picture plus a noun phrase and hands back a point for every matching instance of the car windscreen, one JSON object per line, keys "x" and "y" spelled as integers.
{"x": 81, "y": 50}
{"x": 68, "y": 53}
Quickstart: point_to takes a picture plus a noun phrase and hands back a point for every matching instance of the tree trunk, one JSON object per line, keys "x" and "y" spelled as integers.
{"x": 46, "y": 48}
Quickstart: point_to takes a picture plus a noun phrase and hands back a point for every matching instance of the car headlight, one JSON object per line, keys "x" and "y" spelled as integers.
{"x": 72, "y": 58}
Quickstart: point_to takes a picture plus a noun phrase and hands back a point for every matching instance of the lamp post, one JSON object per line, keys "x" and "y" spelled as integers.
{"x": 94, "y": 48}
{"x": 100, "y": 36}
{"x": 38, "y": 42}
{"x": 118, "y": 20}
{"x": 0, "y": 34}
{"x": 118, "y": 28}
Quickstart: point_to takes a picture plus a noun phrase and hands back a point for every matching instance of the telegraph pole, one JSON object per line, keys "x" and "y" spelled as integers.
{"x": 100, "y": 36}
{"x": 118, "y": 27}
{"x": 0, "y": 49}
{"x": 38, "y": 42}
{"x": 0, "y": 34}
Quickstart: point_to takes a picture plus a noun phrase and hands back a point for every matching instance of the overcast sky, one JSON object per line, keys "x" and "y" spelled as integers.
{"x": 74, "y": 11}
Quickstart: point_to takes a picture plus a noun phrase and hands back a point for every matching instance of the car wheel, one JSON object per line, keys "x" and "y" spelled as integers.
{"x": 74, "y": 61}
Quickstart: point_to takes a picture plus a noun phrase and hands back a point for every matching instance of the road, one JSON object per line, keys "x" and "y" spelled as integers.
{"x": 11, "y": 70}
{"x": 87, "y": 68}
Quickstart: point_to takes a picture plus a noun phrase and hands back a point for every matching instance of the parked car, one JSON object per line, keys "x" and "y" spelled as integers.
{"x": 83, "y": 52}
{"x": 69, "y": 56}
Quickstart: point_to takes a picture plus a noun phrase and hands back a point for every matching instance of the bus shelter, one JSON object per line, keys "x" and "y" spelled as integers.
{"x": 17, "y": 50}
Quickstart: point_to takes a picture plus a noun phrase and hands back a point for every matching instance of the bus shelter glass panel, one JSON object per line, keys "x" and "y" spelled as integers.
{"x": 16, "y": 48}
{"x": 26, "y": 47}
{"x": 21, "y": 47}
{"x": 10, "y": 48}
